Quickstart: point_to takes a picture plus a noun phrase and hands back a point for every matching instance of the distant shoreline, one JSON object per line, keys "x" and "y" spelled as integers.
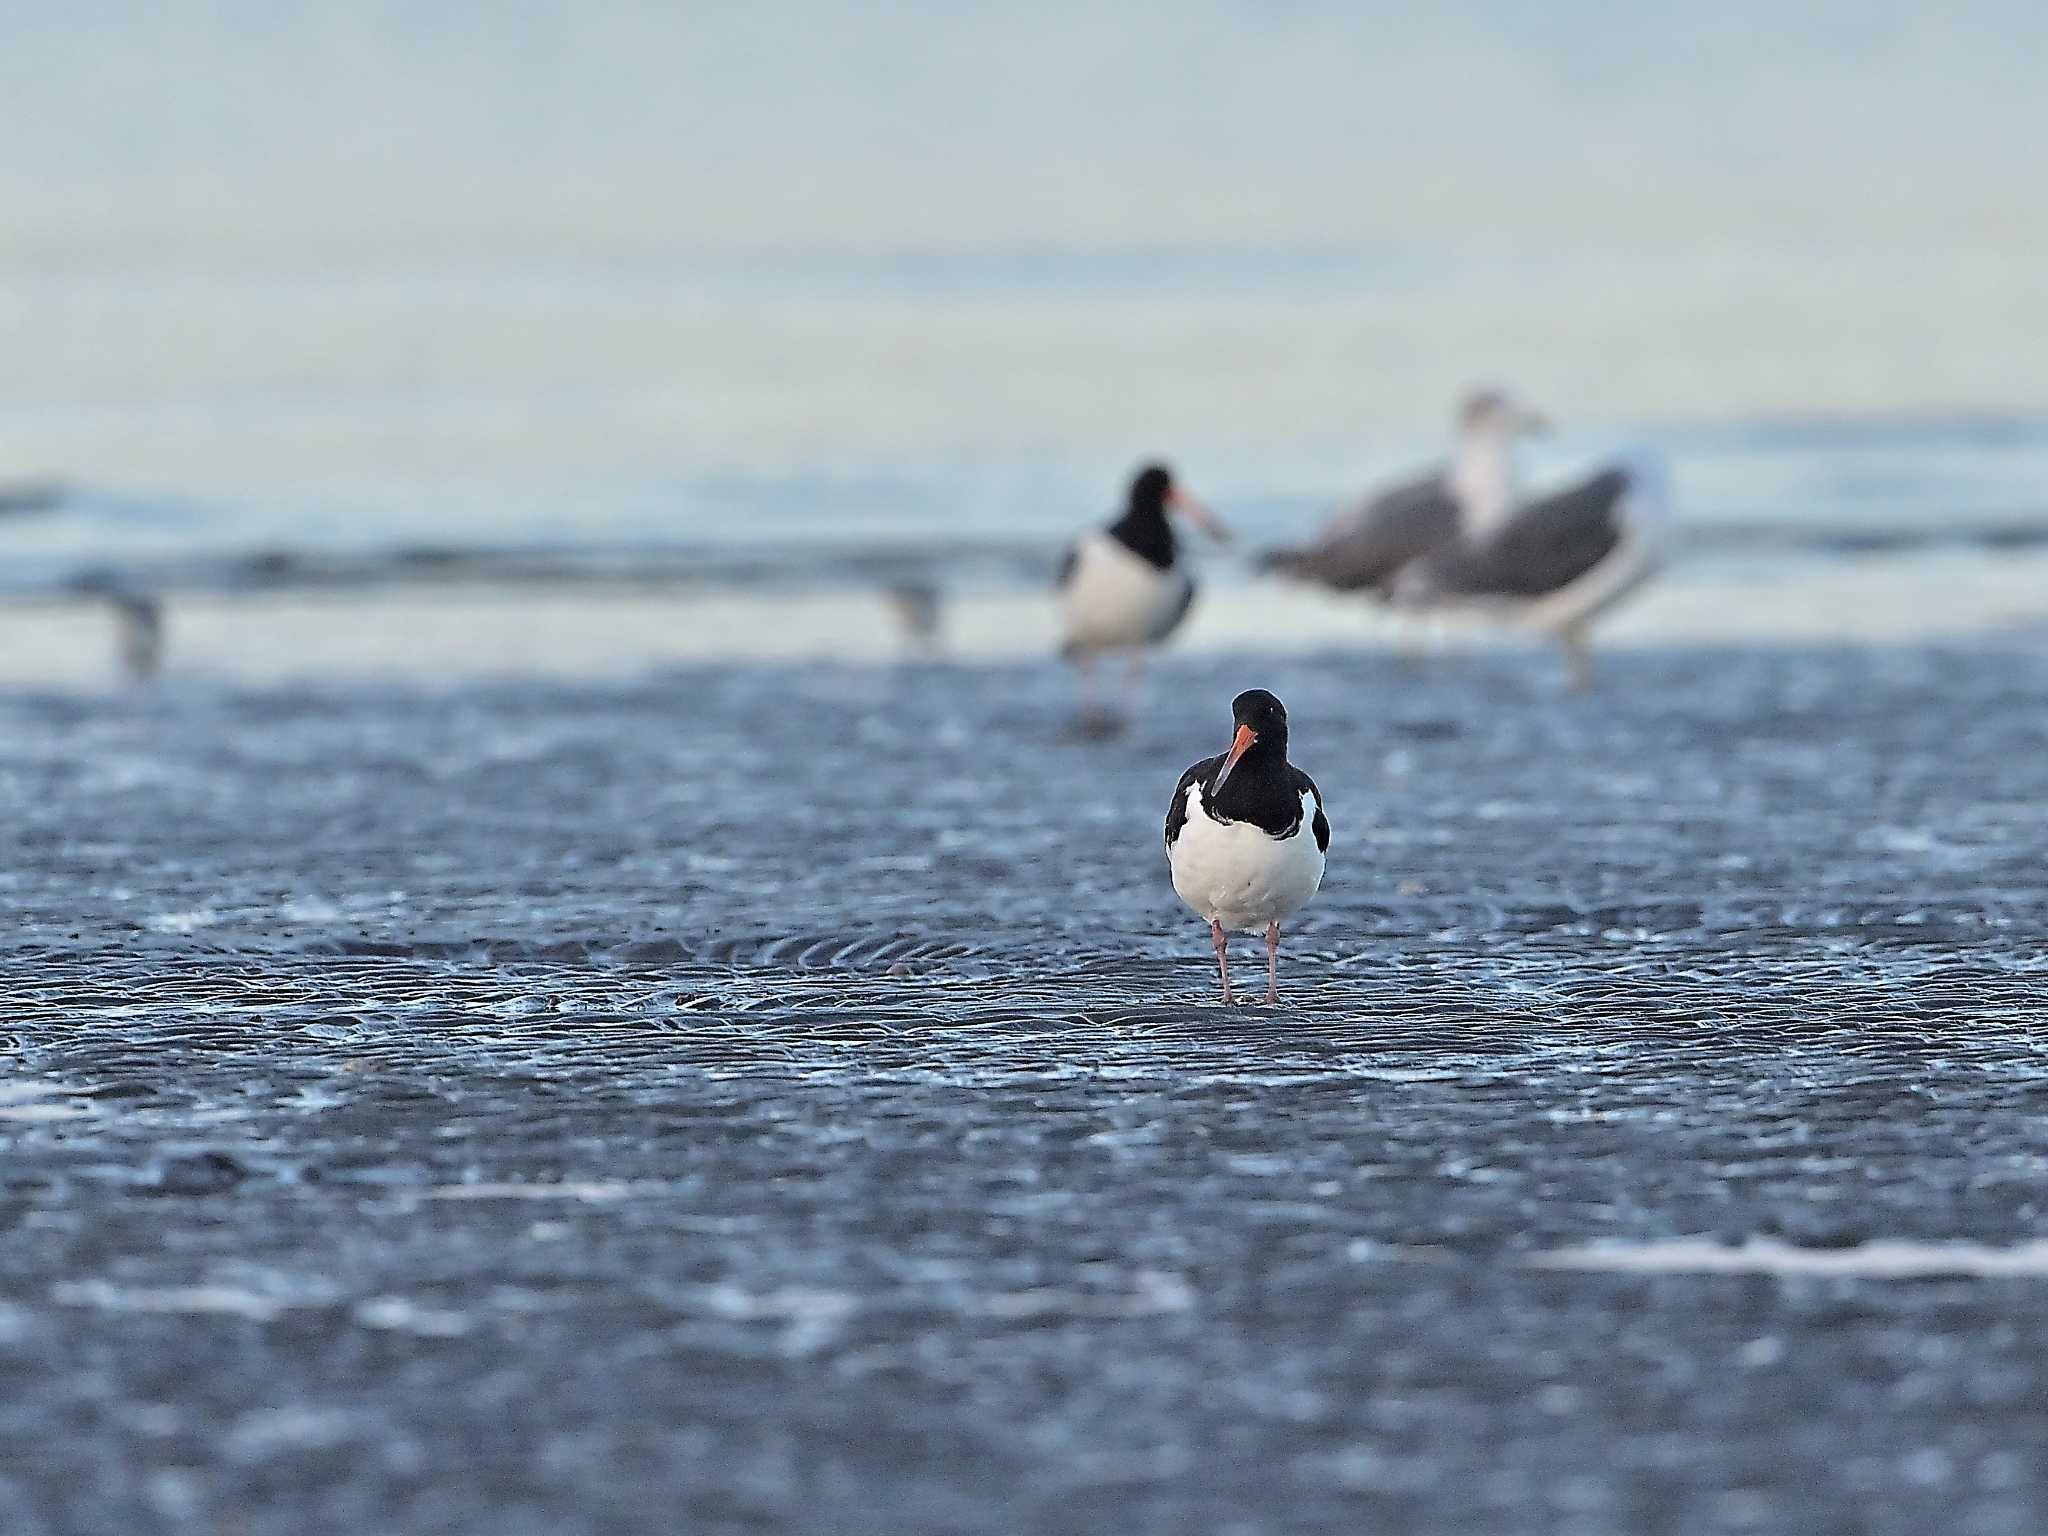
{"x": 455, "y": 635}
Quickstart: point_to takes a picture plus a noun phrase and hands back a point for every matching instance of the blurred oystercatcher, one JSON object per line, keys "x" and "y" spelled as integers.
{"x": 1128, "y": 586}
{"x": 1246, "y": 835}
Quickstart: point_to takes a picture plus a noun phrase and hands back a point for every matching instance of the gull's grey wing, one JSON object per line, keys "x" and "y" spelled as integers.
{"x": 1544, "y": 545}
{"x": 1365, "y": 546}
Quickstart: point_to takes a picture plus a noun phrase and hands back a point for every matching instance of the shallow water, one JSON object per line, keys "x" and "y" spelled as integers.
{"x": 1760, "y": 494}
{"x": 791, "y": 1098}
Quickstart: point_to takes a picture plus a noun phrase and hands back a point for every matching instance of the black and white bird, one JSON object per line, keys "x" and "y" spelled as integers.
{"x": 1127, "y": 586}
{"x": 1464, "y": 540}
{"x": 1246, "y": 835}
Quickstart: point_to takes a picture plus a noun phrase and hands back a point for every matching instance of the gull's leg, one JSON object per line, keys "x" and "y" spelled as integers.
{"x": 1216, "y": 936}
{"x": 1272, "y": 963}
{"x": 1411, "y": 641}
{"x": 1578, "y": 657}
{"x": 1134, "y": 678}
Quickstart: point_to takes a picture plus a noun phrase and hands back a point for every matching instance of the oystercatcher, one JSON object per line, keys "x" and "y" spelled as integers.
{"x": 1127, "y": 586}
{"x": 1246, "y": 835}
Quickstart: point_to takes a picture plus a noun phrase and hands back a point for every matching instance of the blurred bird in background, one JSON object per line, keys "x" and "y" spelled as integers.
{"x": 918, "y": 607}
{"x": 1127, "y": 586}
{"x": 1463, "y": 540}
{"x": 139, "y": 634}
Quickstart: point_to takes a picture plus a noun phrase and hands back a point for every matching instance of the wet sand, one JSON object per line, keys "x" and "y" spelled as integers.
{"x": 790, "y": 1098}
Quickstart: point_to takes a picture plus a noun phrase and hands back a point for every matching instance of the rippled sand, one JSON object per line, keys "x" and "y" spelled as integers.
{"x": 790, "y": 1097}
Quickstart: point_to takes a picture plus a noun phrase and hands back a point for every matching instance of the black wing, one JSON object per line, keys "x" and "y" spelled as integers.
{"x": 1561, "y": 537}
{"x": 1068, "y": 561}
{"x": 1545, "y": 544}
{"x": 1171, "y": 622}
{"x": 1177, "y": 812}
{"x": 1321, "y": 825}
{"x": 1365, "y": 546}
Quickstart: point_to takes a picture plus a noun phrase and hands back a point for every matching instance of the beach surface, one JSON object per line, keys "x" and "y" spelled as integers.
{"x": 566, "y": 1010}
{"x": 789, "y": 1097}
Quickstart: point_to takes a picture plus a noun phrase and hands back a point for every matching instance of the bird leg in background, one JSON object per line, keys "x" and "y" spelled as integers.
{"x": 1218, "y": 937}
{"x": 1431, "y": 640}
{"x": 1272, "y": 963}
{"x": 1091, "y": 722}
{"x": 1134, "y": 681}
{"x": 1411, "y": 641}
{"x": 1578, "y": 657}
{"x": 1084, "y": 671}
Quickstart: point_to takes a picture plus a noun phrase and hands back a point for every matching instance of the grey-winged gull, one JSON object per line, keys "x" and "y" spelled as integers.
{"x": 1463, "y": 539}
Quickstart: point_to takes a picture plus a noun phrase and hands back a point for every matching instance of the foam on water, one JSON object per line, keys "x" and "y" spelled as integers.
{"x": 1879, "y": 1259}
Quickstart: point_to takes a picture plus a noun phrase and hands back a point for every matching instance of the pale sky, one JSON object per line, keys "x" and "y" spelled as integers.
{"x": 245, "y": 241}
{"x": 643, "y": 126}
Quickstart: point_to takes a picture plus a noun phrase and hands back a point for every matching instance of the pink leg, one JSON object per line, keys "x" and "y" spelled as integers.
{"x": 1216, "y": 937}
{"x": 1272, "y": 963}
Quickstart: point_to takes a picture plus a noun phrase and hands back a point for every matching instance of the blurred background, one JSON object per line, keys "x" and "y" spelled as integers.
{"x": 585, "y": 335}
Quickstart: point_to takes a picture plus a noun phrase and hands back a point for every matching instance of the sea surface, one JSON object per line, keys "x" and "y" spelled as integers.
{"x": 790, "y": 1098}
{"x": 614, "y": 282}
{"x": 1879, "y": 531}
{"x": 594, "y": 296}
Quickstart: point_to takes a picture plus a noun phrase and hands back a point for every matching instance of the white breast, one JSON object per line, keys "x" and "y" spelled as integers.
{"x": 1114, "y": 599}
{"x": 1239, "y": 875}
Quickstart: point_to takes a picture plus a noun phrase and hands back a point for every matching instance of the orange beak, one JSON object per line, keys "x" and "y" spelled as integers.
{"x": 1198, "y": 514}
{"x": 1238, "y": 747}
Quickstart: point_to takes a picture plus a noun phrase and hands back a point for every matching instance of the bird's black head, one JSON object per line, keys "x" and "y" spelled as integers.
{"x": 1260, "y": 710}
{"x": 1261, "y": 735}
{"x": 1151, "y": 489}
{"x": 1143, "y": 527}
